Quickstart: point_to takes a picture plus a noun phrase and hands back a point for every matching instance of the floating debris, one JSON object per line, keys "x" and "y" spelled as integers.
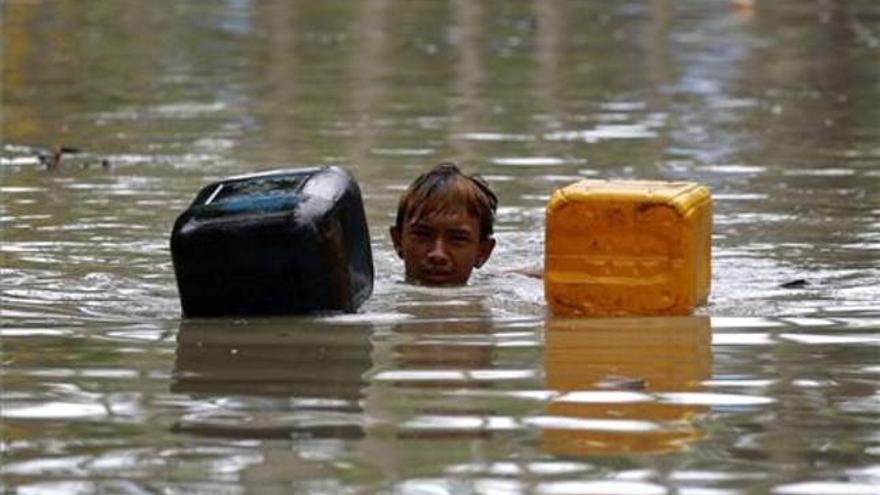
{"x": 795, "y": 284}
{"x": 617, "y": 382}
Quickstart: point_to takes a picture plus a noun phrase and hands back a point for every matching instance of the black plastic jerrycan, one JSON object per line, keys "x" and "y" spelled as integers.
{"x": 280, "y": 242}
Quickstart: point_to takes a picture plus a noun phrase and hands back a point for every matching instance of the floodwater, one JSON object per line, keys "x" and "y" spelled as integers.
{"x": 772, "y": 388}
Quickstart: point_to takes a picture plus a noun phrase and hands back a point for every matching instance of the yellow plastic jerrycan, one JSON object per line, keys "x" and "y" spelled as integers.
{"x": 626, "y": 247}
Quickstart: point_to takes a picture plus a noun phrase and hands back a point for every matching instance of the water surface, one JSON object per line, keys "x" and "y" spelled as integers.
{"x": 772, "y": 388}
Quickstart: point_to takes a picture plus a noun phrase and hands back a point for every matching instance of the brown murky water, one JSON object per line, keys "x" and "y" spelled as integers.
{"x": 770, "y": 389}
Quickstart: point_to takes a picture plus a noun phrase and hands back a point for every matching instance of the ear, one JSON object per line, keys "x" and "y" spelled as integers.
{"x": 485, "y": 250}
{"x": 395, "y": 239}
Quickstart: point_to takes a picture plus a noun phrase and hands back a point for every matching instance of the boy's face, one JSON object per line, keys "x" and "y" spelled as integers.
{"x": 441, "y": 249}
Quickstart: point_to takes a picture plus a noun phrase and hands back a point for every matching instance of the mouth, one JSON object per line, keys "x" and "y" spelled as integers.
{"x": 436, "y": 277}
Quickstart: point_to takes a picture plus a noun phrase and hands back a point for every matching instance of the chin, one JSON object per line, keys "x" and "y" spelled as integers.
{"x": 438, "y": 281}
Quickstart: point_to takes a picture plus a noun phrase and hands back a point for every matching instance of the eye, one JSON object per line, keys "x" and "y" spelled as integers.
{"x": 420, "y": 233}
{"x": 460, "y": 239}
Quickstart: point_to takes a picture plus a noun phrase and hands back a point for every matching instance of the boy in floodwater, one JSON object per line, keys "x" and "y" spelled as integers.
{"x": 444, "y": 224}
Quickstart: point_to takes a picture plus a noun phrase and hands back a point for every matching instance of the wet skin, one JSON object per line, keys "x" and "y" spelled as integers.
{"x": 441, "y": 249}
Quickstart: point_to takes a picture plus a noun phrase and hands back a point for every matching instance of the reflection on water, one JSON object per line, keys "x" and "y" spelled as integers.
{"x": 275, "y": 380}
{"x": 415, "y": 400}
{"x": 771, "y": 389}
{"x": 615, "y": 378}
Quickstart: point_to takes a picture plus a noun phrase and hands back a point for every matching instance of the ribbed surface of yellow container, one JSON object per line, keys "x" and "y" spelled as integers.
{"x": 628, "y": 248}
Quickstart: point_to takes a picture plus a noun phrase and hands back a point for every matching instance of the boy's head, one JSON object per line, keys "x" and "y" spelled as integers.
{"x": 444, "y": 226}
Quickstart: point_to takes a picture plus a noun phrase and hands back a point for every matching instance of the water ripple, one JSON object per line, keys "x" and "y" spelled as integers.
{"x": 599, "y": 488}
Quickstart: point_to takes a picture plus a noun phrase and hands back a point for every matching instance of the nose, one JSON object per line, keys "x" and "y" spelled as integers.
{"x": 438, "y": 255}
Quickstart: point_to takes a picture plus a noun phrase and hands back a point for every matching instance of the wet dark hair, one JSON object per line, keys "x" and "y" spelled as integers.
{"x": 444, "y": 189}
